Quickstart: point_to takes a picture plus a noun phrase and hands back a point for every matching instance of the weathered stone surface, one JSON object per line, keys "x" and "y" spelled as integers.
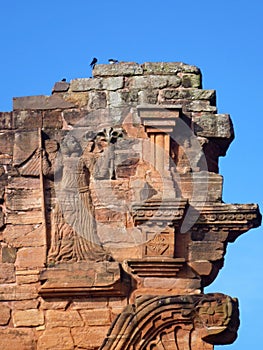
{"x": 202, "y": 267}
{"x": 202, "y": 186}
{"x": 115, "y": 99}
{"x": 18, "y": 292}
{"x": 55, "y": 305}
{"x": 41, "y": 102}
{"x": 201, "y": 106}
{"x": 25, "y": 119}
{"x": 76, "y": 99}
{"x": 52, "y": 119}
{"x": 23, "y": 199}
{"x": 25, "y": 144}
{"x": 27, "y": 276}
{"x": 87, "y": 84}
{"x": 28, "y": 318}
{"x": 6, "y": 120}
{"x": 25, "y": 304}
{"x": 7, "y": 273}
{"x": 176, "y": 285}
{"x": 20, "y": 236}
{"x": 148, "y": 96}
{"x": 58, "y": 338}
{"x": 89, "y": 337}
{"x": 191, "y": 80}
{"x": 122, "y": 69}
{"x": 22, "y": 339}
{"x": 61, "y": 318}
{"x": 97, "y": 100}
{"x": 31, "y": 257}
{"x": 111, "y": 213}
{"x": 206, "y": 250}
{"x": 96, "y": 317}
{"x": 5, "y": 314}
{"x": 90, "y": 303}
{"x": 124, "y": 97}
{"x": 213, "y": 125}
{"x": 168, "y": 68}
{"x": 60, "y": 86}
{"x": 30, "y": 217}
{"x": 153, "y": 81}
{"x": 6, "y": 145}
{"x": 8, "y": 254}
{"x": 188, "y": 94}
{"x": 84, "y": 278}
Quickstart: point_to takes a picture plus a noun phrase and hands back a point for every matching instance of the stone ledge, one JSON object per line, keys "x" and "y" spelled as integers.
{"x": 168, "y": 68}
{"x": 122, "y": 68}
{"x": 84, "y": 279}
{"x": 87, "y": 84}
{"x": 41, "y": 102}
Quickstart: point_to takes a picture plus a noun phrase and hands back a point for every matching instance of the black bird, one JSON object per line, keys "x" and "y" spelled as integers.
{"x": 112, "y": 61}
{"x": 93, "y": 62}
{"x": 64, "y": 79}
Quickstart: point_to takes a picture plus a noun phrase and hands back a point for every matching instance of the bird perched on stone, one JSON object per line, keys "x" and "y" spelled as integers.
{"x": 93, "y": 62}
{"x": 64, "y": 79}
{"x": 112, "y": 61}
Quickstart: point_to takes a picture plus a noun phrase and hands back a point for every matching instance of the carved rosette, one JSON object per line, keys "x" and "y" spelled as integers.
{"x": 184, "y": 322}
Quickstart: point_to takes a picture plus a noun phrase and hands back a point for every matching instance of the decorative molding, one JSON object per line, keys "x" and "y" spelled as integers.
{"x": 159, "y": 211}
{"x": 153, "y": 267}
{"x": 182, "y": 322}
{"x": 84, "y": 279}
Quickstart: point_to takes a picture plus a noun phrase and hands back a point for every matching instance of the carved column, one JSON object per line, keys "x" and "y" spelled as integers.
{"x": 159, "y": 123}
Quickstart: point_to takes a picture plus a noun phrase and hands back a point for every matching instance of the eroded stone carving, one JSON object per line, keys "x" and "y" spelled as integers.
{"x": 73, "y": 233}
{"x": 190, "y": 322}
{"x": 77, "y": 190}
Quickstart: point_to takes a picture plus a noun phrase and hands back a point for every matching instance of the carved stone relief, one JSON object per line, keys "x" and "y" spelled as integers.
{"x": 151, "y": 325}
{"x": 73, "y": 225}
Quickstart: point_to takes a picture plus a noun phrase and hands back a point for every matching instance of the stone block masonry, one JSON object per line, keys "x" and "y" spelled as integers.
{"x": 111, "y": 214}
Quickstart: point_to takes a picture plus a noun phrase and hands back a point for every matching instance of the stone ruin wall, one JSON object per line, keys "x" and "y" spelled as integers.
{"x": 112, "y": 220}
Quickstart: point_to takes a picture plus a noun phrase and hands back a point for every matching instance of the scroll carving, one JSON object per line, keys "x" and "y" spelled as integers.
{"x": 164, "y": 323}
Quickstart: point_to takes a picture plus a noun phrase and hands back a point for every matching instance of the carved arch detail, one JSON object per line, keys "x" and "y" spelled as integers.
{"x": 169, "y": 322}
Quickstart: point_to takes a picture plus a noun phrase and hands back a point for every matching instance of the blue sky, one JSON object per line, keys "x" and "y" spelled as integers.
{"x": 44, "y": 41}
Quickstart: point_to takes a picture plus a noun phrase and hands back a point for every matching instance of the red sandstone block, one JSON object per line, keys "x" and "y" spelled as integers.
{"x": 58, "y": 338}
{"x": 31, "y": 257}
{"x": 19, "y": 236}
{"x": 54, "y": 305}
{"x": 89, "y": 337}
{"x": 5, "y": 314}
{"x": 96, "y": 317}
{"x": 89, "y": 303}
{"x": 28, "y": 318}
{"x": 61, "y": 318}
{"x": 19, "y": 339}
{"x": 25, "y": 304}
{"x": 7, "y": 273}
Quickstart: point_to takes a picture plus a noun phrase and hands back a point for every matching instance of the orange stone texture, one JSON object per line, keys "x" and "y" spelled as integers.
{"x": 111, "y": 214}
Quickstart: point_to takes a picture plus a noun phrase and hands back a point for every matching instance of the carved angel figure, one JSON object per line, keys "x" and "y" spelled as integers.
{"x": 73, "y": 229}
